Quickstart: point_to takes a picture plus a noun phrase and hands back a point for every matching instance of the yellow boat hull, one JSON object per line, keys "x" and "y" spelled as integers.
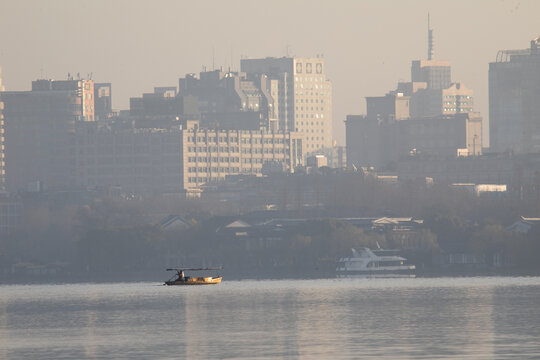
{"x": 196, "y": 281}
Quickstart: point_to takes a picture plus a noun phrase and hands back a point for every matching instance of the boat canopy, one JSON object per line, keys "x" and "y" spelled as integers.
{"x": 195, "y": 269}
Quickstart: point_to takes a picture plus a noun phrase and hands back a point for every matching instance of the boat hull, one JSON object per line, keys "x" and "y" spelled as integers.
{"x": 196, "y": 281}
{"x": 374, "y": 263}
{"x": 374, "y": 275}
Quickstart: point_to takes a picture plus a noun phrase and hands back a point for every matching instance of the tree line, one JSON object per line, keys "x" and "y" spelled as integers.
{"x": 114, "y": 236}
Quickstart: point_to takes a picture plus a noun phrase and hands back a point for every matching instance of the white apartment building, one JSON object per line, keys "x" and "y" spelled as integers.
{"x": 303, "y": 94}
{"x": 209, "y": 155}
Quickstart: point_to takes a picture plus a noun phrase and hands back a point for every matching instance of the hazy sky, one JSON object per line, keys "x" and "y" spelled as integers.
{"x": 367, "y": 45}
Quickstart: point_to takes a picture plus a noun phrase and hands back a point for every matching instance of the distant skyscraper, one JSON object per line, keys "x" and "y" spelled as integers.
{"x": 431, "y": 89}
{"x": 39, "y": 126}
{"x": 514, "y": 98}
{"x": 2, "y": 144}
{"x": 303, "y": 96}
{"x": 429, "y": 115}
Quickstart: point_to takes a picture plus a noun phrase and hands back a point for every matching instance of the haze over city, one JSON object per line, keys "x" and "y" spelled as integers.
{"x": 367, "y": 45}
{"x": 280, "y": 180}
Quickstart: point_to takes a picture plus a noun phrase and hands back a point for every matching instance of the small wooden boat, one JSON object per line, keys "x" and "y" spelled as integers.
{"x": 181, "y": 279}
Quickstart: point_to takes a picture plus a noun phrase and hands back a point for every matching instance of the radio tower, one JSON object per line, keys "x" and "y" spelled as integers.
{"x": 430, "y": 40}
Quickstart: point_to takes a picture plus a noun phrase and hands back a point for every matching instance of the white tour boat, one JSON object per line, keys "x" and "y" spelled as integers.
{"x": 379, "y": 263}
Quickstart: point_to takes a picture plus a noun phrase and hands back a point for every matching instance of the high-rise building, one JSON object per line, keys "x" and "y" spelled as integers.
{"x": 363, "y": 141}
{"x": 39, "y": 125}
{"x": 429, "y": 115}
{"x": 231, "y": 100}
{"x": 431, "y": 89}
{"x": 2, "y": 140}
{"x": 514, "y": 100}
{"x": 303, "y": 96}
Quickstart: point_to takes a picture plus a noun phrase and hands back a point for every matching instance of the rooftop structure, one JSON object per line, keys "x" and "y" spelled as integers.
{"x": 223, "y": 96}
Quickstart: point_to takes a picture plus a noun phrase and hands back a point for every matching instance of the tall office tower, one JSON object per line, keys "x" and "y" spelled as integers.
{"x": 431, "y": 88}
{"x": 303, "y": 96}
{"x": 514, "y": 100}
{"x": 2, "y": 145}
{"x": 39, "y": 128}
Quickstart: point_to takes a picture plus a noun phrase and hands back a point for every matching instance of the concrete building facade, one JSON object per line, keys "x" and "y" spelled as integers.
{"x": 145, "y": 161}
{"x": 39, "y": 125}
{"x": 372, "y": 142}
{"x": 232, "y": 99}
{"x": 442, "y": 136}
{"x": 10, "y": 214}
{"x": 303, "y": 95}
{"x": 454, "y": 99}
{"x": 514, "y": 100}
{"x": 133, "y": 160}
{"x": 103, "y": 100}
{"x": 392, "y": 106}
{"x": 2, "y": 140}
{"x": 210, "y": 155}
{"x": 436, "y": 74}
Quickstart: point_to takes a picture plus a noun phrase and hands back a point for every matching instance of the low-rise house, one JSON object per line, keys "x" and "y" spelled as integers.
{"x": 524, "y": 225}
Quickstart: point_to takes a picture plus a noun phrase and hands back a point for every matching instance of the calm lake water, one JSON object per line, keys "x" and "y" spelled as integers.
{"x": 435, "y": 318}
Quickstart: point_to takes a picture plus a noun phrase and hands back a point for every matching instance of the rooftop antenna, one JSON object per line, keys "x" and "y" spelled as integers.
{"x": 287, "y": 50}
{"x": 430, "y": 39}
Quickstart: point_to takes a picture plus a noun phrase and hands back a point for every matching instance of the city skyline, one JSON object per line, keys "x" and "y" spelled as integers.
{"x": 138, "y": 52}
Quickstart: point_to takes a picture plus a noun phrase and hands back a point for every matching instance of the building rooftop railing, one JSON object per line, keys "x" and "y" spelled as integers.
{"x": 506, "y": 55}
